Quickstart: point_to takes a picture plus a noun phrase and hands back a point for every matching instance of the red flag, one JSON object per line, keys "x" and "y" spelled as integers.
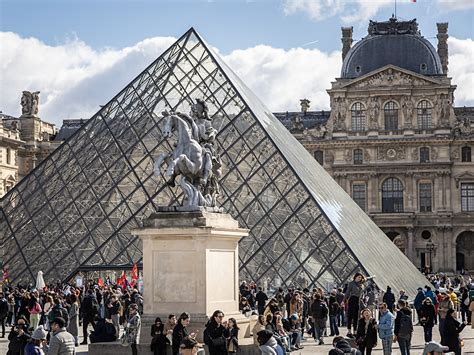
{"x": 134, "y": 275}
{"x": 100, "y": 282}
{"x": 122, "y": 280}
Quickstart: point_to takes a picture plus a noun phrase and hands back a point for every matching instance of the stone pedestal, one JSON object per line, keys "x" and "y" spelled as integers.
{"x": 190, "y": 264}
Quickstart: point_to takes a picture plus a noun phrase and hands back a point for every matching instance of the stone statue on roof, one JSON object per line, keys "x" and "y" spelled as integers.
{"x": 30, "y": 103}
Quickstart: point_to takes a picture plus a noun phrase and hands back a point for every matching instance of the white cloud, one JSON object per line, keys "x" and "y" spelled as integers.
{"x": 350, "y": 11}
{"x": 455, "y": 5}
{"x": 75, "y": 79}
{"x": 461, "y": 57}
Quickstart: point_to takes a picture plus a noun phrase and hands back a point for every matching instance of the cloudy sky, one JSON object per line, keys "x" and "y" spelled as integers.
{"x": 80, "y": 53}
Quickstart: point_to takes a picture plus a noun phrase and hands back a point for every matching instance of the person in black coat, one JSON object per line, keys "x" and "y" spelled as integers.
{"x": 366, "y": 336}
{"x": 389, "y": 299}
{"x": 427, "y": 318}
{"x": 180, "y": 331}
{"x": 218, "y": 333}
{"x": 158, "y": 338}
{"x": 452, "y": 328}
{"x": 18, "y": 337}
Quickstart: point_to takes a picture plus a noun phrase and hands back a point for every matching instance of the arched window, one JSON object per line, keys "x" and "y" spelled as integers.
{"x": 424, "y": 114}
{"x": 466, "y": 154}
{"x": 358, "y": 117}
{"x": 392, "y": 196}
{"x": 319, "y": 156}
{"x": 424, "y": 155}
{"x": 390, "y": 111}
{"x": 358, "y": 156}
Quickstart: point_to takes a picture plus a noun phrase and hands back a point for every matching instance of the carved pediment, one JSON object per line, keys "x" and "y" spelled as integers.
{"x": 390, "y": 76}
{"x": 465, "y": 176}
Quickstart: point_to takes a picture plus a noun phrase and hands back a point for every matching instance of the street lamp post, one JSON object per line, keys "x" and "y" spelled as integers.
{"x": 430, "y": 247}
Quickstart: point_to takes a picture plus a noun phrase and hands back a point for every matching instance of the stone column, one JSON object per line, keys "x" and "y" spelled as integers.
{"x": 346, "y": 40}
{"x": 443, "y": 45}
{"x": 410, "y": 231}
{"x": 190, "y": 264}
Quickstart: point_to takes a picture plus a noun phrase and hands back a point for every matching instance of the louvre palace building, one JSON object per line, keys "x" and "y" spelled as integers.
{"x": 397, "y": 144}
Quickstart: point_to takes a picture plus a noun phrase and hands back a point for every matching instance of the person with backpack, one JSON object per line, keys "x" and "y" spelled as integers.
{"x": 261, "y": 297}
{"x": 89, "y": 310}
{"x": 385, "y": 327}
{"x": 319, "y": 315}
{"x": 404, "y": 327}
{"x": 58, "y": 311}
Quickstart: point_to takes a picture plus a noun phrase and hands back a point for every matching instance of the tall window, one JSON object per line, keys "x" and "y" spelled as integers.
{"x": 359, "y": 195}
{"x": 319, "y": 156}
{"x": 424, "y": 155}
{"x": 392, "y": 196}
{"x": 391, "y": 115}
{"x": 424, "y": 114}
{"x": 467, "y": 197}
{"x": 358, "y": 117}
{"x": 466, "y": 154}
{"x": 358, "y": 156}
{"x": 9, "y": 156}
{"x": 425, "y": 197}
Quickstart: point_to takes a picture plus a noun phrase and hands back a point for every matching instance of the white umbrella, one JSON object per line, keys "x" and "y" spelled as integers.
{"x": 40, "y": 281}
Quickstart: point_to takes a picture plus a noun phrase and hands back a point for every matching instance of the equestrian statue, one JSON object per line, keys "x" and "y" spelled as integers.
{"x": 194, "y": 159}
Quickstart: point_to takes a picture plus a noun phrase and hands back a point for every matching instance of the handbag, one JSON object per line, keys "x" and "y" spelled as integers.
{"x": 218, "y": 342}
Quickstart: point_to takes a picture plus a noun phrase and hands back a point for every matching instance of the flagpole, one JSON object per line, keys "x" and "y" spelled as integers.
{"x": 395, "y": 8}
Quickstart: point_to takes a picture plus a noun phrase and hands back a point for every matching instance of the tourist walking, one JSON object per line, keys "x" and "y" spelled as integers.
{"x": 133, "y": 328}
{"x": 445, "y": 304}
{"x": 180, "y": 331}
{"x": 452, "y": 329}
{"x": 3, "y": 312}
{"x": 352, "y": 296}
{"x": 385, "y": 327}
{"x": 366, "y": 336}
{"x": 217, "y": 333}
{"x": 334, "y": 309}
{"x": 420, "y": 296}
{"x": 73, "y": 325}
{"x": 35, "y": 345}
{"x": 34, "y": 309}
{"x": 62, "y": 342}
{"x": 261, "y": 297}
{"x": 90, "y": 310}
{"x": 389, "y": 299}
{"x": 158, "y": 338}
{"x": 427, "y": 318}
{"x": 319, "y": 315}
{"x": 403, "y": 327}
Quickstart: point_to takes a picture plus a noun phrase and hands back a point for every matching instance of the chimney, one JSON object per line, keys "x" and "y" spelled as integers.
{"x": 346, "y": 40}
{"x": 443, "y": 45}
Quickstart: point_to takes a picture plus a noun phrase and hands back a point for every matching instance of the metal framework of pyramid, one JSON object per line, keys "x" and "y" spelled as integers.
{"x": 76, "y": 209}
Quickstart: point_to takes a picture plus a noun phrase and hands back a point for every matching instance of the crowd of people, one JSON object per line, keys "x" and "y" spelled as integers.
{"x": 48, "y": 321}
{"x": 369, "y": 315}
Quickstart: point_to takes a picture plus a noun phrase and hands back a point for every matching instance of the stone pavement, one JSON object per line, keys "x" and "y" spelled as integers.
{"x": 311, "y": 348}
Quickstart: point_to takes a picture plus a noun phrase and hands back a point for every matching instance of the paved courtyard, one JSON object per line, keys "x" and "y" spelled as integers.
{"x": 311, "y": 348}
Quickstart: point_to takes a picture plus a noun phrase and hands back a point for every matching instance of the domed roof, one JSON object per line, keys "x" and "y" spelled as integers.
{"x": 392, "y": 42}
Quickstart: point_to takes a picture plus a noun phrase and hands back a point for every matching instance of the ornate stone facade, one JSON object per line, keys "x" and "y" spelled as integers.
{"x": 24, "y": 142}
{"x": 397, "y": 145}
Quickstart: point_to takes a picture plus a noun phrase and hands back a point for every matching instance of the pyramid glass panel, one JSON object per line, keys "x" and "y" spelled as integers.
{"x": 76, "y": 209}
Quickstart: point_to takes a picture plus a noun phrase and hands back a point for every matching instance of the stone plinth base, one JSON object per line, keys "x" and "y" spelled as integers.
{"x": 190, "y": 264}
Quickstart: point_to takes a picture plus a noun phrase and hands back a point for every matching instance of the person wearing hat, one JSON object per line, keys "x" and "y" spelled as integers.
{"x": 62, "y": 342}
{"x": 434, "y": 348}
{"x": 37, "y": 342}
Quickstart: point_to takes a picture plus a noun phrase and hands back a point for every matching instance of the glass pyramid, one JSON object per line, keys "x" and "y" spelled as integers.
{"x": 76, "y": 209}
